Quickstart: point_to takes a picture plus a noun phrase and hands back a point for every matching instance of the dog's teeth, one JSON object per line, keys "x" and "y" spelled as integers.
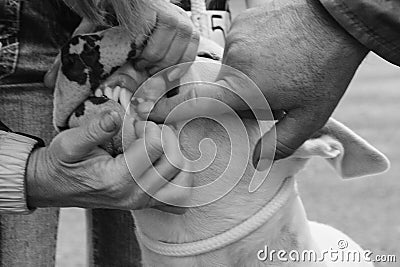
{"x": 108, "y": 92}
{"x": 98, "y": 93}
{"x": 125, "y": 98}
{"x": 116, "y": 92}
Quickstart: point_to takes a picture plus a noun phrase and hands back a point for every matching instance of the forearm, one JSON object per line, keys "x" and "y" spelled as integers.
{"x": 375, "y": 24}
{"x": 15, "y": 151}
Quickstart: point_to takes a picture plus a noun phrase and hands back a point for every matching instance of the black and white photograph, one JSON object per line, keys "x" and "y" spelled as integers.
{"x": 199, "y": 133}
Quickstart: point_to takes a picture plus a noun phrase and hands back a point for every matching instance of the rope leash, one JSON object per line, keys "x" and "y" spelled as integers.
{"x": 224, "y": 239}
{"x": 199, "y": 18}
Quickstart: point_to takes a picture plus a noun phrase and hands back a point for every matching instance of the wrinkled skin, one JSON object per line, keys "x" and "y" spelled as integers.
{"x": 299, "y": 57}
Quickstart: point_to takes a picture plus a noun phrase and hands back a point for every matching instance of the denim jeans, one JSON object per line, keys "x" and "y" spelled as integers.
{"x": 31, "y": 32}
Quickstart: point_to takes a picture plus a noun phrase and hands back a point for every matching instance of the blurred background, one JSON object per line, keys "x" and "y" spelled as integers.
{"x": 366, "y": 209}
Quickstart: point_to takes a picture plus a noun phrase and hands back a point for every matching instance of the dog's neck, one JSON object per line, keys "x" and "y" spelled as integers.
{"x": 287, "y": 229}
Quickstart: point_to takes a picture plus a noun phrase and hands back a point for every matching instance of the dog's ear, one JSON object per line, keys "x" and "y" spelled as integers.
{"x": 348, "y": 153}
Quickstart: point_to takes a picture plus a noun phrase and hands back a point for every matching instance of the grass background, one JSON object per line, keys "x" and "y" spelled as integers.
{"x": 367, "y": 209}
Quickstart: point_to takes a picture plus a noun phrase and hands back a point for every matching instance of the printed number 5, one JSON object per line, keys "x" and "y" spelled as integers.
{"x": 215, "y": 27}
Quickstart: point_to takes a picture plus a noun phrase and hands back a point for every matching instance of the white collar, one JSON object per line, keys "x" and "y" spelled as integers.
{"x": 226, "y": 238}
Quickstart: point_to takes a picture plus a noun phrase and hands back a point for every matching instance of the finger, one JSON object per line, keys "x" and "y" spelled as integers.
{"x": 188, "y": 56}
{"x": 152, "y": 179}
{"x": 250, "y": 114}
{"x": 158, "y": 44}
{"x": 80, "y": 141}
{"x": 122, "y": 80}
{"x": 140, "y": 156}
{"x": 171, "y": 147}
{"x": 150, "y": 134}
{"x": 177, "y": 48}
{"x": 51, "y": 76}
{"x": 157, "y": 176}
{"x": 292, "y": 131}
{"x": 171, "y": 209}
{"x": 178, "y": 192}
{"x": 193, "y": 101}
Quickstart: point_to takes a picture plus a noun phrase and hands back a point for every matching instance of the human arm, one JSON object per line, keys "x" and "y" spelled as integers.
{"x": 74, "y": 172}
{"x": 300, "y": 58}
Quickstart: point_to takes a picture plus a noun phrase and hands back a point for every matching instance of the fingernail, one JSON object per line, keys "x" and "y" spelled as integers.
{"x": 174, "y": 74}
{"x": 145, "y": 108}
{"x": 264, "y": 164}
{"x": 109, "y": 122}
{"x": 259, "y": 177}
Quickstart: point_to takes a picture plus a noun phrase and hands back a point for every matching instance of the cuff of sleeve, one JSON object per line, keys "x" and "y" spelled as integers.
{"x": 14, "y": 152}
{"x": 372, "y": 23}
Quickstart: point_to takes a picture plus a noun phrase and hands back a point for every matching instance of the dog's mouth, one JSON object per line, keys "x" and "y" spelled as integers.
{"x": 117, "y": 96}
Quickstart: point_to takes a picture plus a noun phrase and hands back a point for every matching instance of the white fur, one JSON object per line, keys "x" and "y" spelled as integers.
{"x": 289, "y": 229}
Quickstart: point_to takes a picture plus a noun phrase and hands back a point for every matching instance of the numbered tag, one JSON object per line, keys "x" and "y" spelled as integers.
{"x": 214, "y": 25}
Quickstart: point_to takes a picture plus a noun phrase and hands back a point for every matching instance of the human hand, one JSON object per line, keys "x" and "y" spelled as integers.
{"x": 74, "y": 172}
{"x": 298, "y": 56}
{"x": 173, "y": 40}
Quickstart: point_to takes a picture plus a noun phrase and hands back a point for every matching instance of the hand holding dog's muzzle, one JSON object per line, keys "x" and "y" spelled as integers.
{"x": 296, "y": 54}
{"x": 75, "y": 172}
{"x": 173, "y": 40}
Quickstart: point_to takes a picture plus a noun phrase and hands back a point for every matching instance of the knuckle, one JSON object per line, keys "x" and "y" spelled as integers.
{"x": 176, "y": 160}
{"x": 92, "y": 131}
{"x": 168, "y": 61}
{"x": 195, "y": 36}
{"x": 152, "y": 128}
{"x": 153, "y": 138}
{"x": 172, "y": 171}
{"x": 185, "y": 30}
{"x": 152, "y": 53}
{"x": 168, "y": 20}
{"x": 65, "y": 148}
{"x": 234, "y": 48}
{"x": 154, "y": 146}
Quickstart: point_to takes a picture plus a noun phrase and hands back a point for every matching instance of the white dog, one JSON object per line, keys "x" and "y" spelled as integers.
{"x": 249, "y": 229}
{"x": 285, "y": 229}
{"x": 264, "y": 228}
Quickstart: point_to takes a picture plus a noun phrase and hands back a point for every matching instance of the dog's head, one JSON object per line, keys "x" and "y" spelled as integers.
{"x": 348, "y": 153}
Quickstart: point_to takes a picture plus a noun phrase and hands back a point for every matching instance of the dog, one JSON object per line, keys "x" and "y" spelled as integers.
{"x": 182, "y": 240}
{"x": 240, "y": 228}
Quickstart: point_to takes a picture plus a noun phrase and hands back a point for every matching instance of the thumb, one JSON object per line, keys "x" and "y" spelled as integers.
{"x": 291, "y": 132}
{"x": 82, "y": 140}
{"x": 198, "y": 99}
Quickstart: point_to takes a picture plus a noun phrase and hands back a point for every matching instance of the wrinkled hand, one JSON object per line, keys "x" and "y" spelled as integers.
{"x": 173, "y": 40}
{"x": 299, "y": 57}
{"x": 74, "y": 172}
